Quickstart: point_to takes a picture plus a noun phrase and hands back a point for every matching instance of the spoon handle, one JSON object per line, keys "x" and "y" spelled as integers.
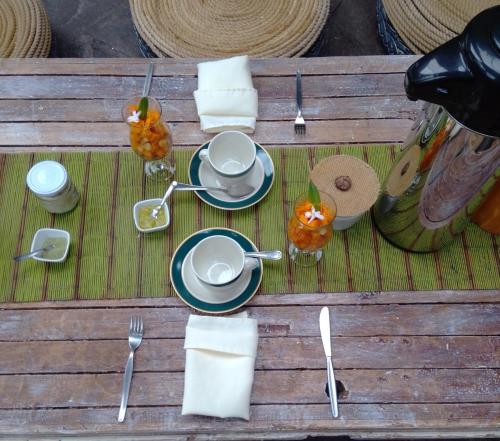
{"x": 270, "y": 255}
{"x": 32, "y": 253}
{"x": 187, "y": 187}
{"x": 170, "y": 189}
{"x": 147, "y": 82}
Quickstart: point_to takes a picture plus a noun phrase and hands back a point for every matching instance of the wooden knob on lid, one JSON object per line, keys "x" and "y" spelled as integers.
{"x": 343, "y": 183}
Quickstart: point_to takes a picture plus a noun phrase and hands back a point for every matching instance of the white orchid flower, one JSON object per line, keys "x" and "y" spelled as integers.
{"x": 134, "y": 117}
{"x": 313, "y": 214}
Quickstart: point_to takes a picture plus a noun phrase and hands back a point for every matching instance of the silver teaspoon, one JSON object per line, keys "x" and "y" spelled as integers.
{"x": 170, "y": 189}
{"x": 269, "y": 255}
{"x": 235, "y": 191}
{"x": 34, "y": 253}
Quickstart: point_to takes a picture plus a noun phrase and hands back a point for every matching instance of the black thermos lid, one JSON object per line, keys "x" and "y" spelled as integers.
{"x": 463, "y": 75}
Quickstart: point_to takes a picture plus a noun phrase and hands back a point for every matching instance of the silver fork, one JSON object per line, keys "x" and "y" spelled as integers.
{"x": 300, "y": 124}
{"x": 135, "y": 332}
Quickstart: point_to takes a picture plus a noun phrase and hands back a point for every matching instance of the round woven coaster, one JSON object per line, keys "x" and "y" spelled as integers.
{"x": 424, "y": 25}
{"x": 24, "y": 29}
{"x": 351, "y": 182}
{"x": 221, "y": 28}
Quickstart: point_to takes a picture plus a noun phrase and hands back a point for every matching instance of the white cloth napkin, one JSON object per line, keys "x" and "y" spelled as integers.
{"x": 220, "y": 359}
{"x": 226, "y": 98}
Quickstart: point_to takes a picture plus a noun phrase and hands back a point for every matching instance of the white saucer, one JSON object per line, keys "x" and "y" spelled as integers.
{"x": 209, "y": 178}
{"x": 209, "y": 294}
{"x": 261, "y": 177}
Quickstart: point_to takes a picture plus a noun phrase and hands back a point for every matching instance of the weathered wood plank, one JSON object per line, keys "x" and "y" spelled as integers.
{"x": 168, "y": 355}
{"x": 267, "y": 132}
{"x": 266, "y": 418}
{"x": 352, "y": 321}
{"x": 340, "y": 298}
{"x": 178, "y": 87}
{"x": 187, "y": 66}
{"x": 109, "y": 110}
{"x": 270, "y": 387}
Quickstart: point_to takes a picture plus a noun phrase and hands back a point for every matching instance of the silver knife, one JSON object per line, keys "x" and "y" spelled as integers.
{"x": 324, "y": 327}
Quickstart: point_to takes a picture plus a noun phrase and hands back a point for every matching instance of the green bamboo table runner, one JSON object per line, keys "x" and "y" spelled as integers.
{"x": 109, "y": 259}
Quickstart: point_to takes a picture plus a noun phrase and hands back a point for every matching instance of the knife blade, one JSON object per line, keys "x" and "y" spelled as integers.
{"x": 324, "y": 327}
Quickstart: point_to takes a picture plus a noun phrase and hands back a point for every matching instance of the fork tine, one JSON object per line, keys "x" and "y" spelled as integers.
{"x": 131, "y": 326}
{"x": 136, "y": 325}
{"x": 141, "y": 326}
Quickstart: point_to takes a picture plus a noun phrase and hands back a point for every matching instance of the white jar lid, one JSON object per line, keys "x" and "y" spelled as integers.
{"x": 47, "y": 178}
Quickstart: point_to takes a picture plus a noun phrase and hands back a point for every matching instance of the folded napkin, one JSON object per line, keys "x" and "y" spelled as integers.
{"x": 226, "y": 98}
{"x": 220, "y": 359}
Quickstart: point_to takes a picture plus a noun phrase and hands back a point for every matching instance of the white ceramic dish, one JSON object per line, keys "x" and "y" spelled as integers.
{"x": 213, "y": 294}
{"x": 344, "y": 222}
{"x": 45, "y": 233}
{"x": 154, "y": 202}
{"x": 261, "y": 177}
{"x": 208, "y": 177}
{"x": 231, "y": 154}
{"x": 217, "y": 260}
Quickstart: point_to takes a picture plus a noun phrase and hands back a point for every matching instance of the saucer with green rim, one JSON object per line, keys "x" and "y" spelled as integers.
{"x": 195, "y": 294}
{"x": 261, "y": 177}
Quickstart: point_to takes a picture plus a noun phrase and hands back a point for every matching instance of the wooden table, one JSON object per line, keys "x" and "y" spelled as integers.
{"x": 413, "y": 364}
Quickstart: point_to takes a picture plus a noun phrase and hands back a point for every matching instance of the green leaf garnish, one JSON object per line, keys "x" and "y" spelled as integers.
{"x": 143, "y": 108}
{"x": 314, "y": 197}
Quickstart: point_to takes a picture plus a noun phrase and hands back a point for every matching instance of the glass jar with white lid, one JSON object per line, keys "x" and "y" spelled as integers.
{"x": 50, "y": 183}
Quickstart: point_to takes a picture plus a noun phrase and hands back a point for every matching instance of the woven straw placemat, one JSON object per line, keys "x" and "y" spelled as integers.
{"x": 426, "y": 24}
{"x": 24, "y": 29}
{"x": 108, "y": 258}
{"x": 222, "y": 28}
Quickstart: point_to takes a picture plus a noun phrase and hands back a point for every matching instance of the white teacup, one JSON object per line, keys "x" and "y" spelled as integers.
{"x": 231, "y": 155}
{"x": 219, "y": 260}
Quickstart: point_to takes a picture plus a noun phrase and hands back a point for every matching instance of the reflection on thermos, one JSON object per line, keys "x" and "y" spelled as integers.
{"x": 451, "y": 158}
{"x": 487, "y": 216}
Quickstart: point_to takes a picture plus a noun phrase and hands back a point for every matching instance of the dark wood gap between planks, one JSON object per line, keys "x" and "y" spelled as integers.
{"x": 181, "y": 371}
{"x": 24, "y": 307}
{"x": 67, "y": 121}
{"x": 312, "y": 403}
{"x": 195, "y": 75}
{"x": 266, "y": 98}
{"x": 261, "y": 336}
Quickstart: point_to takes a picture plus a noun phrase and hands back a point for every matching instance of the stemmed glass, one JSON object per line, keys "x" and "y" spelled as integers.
{"x": 150, "y": 137}
{"x": 309, "y": 236}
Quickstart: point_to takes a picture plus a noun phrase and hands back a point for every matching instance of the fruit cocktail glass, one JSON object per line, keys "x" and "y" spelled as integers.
{"x": 309, "y": 230}
{"x": 150, "y": 137}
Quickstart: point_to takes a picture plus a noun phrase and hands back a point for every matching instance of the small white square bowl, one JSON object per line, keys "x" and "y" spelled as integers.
{"x": 45, "y": 233}
{"x": 154, "y": 202}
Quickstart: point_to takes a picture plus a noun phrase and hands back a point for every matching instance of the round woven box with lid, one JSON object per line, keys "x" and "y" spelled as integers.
{"x": 351, "y": 182}
{"x": 223, "y": 28}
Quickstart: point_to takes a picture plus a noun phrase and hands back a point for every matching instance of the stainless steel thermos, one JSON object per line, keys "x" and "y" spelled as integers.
{"x": 451, "y": 157}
